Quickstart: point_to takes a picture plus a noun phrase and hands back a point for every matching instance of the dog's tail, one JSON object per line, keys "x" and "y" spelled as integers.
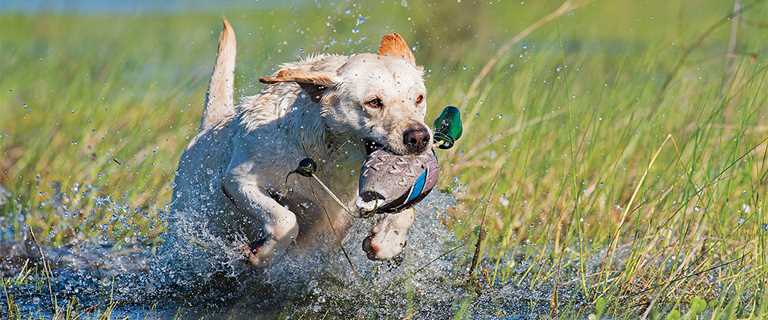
{"x": 219, "y": 101}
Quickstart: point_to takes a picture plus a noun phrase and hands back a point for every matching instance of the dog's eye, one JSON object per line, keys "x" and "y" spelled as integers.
{"x": 419, "y": 99}
{"x": 375, "y": 103}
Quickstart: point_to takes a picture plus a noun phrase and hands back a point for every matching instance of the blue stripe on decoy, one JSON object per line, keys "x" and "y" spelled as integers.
{"x": 418, "y": 186}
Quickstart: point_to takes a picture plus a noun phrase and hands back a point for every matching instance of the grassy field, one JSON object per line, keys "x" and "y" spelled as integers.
{"x": 626, "y": 133}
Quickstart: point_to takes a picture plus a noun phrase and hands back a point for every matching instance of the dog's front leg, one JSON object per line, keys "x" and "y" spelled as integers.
{"x": 388, "y": 237}
{"x": 277, "y": 223}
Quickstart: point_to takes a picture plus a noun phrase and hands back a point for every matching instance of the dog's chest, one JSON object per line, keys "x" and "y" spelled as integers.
{"x": 338, "y": 169}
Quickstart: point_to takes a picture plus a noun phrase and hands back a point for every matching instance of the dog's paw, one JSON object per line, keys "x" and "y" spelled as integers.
{"x": 259, "y": 254}
{"x": 384, "y": 244}
{"x": 388, "y": 236}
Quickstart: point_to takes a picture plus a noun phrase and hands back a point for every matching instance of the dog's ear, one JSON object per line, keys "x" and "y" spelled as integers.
{"x": 394, "y": 45}
{"x": 301, "y": 77}
{"x": 313, "y": 82}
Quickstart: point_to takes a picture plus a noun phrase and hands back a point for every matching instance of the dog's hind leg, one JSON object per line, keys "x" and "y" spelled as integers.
{"x": 219, "y": 100}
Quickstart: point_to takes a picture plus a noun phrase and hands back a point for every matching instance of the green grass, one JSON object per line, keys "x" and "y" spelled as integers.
{"x": 598, "y": 162}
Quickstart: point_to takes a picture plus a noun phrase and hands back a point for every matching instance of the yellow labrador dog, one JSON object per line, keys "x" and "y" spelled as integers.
{"x": 326, "y": 107}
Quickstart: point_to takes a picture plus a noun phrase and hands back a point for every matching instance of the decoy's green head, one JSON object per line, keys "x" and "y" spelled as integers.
{"x": 448, "y": 127}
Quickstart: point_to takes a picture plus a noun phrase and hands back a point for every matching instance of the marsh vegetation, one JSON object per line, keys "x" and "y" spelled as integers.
{"x": 619, "y": 150}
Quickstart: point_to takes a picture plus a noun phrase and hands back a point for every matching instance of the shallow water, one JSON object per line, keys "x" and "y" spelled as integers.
{"x": 428, "y": 282}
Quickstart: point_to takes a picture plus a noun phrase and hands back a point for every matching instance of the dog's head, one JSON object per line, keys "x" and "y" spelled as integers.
{"x": 379, "y": 98}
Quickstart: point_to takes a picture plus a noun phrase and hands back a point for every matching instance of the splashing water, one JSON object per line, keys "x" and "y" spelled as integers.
{"x": 191, "y": 275}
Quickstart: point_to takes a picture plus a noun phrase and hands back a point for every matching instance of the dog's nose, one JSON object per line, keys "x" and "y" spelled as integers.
{"x": 416, "y": 139}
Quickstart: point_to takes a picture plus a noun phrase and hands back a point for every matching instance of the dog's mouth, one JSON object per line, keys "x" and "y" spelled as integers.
{"x": 371, "y": 146}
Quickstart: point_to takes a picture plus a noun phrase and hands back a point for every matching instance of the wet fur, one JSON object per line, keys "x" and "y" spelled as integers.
{"x": 233, "y": 173}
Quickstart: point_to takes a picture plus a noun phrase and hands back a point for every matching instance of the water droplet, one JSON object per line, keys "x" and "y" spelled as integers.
{"x": 504, "y": 201}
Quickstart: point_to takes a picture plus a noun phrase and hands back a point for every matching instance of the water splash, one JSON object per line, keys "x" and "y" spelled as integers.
{"x": 194, "y": 274}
